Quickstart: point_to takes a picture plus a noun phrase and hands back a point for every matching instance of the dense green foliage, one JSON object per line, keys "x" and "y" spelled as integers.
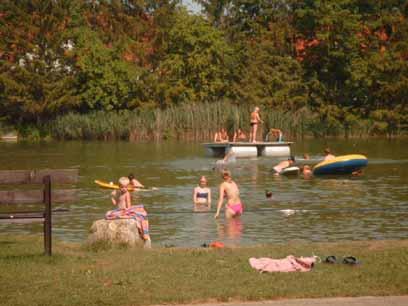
{"x": 343, "y": 63}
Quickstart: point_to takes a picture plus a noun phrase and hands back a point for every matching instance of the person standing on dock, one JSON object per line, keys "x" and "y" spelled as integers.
{"x": 255, "y": 121}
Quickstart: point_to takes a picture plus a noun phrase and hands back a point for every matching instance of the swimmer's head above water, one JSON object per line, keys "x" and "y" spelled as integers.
{"x": 226, "y": 174}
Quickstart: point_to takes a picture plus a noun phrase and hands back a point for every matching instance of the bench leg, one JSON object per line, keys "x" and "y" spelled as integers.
{"x": 47, "y": 236}
{"x": 47, "y": 216}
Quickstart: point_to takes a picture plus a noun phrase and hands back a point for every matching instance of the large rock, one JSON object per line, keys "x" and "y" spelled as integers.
{"x": 116, "y": 232}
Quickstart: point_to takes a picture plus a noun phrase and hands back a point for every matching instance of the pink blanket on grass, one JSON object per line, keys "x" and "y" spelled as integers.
{"x": 288, "y": 264}
{"x": 137, "y": 213}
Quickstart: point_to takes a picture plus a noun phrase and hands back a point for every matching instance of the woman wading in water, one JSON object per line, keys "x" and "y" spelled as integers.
{"x": 230, "y": 190}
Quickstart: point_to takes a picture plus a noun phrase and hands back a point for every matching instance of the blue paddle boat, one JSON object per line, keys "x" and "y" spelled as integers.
{"x": 345, "y": 164}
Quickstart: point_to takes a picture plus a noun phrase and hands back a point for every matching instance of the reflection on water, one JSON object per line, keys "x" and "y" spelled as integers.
{"x": 230, "y": 230}
{"x": 373, "y": 206}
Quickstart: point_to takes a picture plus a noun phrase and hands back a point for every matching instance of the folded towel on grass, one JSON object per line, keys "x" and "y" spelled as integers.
{"x": 288, "y": 264}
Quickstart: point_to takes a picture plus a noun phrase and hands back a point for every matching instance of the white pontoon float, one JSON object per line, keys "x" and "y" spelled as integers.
{"x": 247, "y": 149}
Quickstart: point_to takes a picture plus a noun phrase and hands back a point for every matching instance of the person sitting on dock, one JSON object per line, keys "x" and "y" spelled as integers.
{"x": 239, "y": 135}
{"x": 202, "y": 196}
{"x": 230, "y": 190}
{"x": 221, "y": 136}
{"x": 328, "y": 155}
{"x": 283, "y": 164}
{"x": 255, "y": 121}
{"x": 274, "y": 135}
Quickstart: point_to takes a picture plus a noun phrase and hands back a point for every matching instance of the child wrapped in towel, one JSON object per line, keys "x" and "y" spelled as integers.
{"x": 125, "y": 210}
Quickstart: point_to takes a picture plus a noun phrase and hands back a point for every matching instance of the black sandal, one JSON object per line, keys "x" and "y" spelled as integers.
{"x": 350, "y": 260}
{"x": 330, "y": 259}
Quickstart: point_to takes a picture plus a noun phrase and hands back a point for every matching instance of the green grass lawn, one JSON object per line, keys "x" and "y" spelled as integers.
{"x": 75, "y": 275}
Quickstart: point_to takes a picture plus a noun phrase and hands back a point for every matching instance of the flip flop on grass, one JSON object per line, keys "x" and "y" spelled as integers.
{"x": 350, "y": 260}
{"x": 330, "y": 259}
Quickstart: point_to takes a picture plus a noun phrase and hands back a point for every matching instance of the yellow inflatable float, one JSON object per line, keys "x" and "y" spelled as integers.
{"x": 345, "y": 164}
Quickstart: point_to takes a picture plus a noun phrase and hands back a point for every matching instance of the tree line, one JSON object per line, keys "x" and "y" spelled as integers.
{"x": 343, "y": 63}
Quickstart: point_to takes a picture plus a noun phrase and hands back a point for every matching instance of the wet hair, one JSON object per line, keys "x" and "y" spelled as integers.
{"x": 292, "y": 158}
{"x": 226, "y": 173}
{"x": 131, "y": 176}
{"x": 268, "y": 194}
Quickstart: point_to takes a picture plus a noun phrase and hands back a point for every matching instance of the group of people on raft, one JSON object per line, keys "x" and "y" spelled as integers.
{"x": 240, "y": 136}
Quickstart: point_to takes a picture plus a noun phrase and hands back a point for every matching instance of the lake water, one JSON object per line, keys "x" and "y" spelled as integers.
{"x": 373, "y": 206}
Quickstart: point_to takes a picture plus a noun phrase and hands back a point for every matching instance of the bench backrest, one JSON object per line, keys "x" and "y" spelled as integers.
{"x": 17, "y": 193}
{"x": 17, "y": 178}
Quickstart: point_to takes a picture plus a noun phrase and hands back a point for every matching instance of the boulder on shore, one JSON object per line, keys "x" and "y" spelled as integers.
{"x": 116, "y": 232}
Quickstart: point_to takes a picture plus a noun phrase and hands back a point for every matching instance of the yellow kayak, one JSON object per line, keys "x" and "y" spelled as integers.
{"x": 112, "y": 185}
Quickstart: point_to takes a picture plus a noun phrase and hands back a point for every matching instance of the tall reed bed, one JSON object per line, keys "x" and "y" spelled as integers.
{"x": 191, "y": 122}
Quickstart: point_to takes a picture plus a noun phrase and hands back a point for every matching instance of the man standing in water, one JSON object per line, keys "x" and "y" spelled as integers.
{"x": 230, "y": 190}
{"x": 255, "y": 121}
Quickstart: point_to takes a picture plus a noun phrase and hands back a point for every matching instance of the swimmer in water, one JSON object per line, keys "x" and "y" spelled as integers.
{"x": 283, "y": 164}
{"x": 307, "y": 171}
{"x": 202, "y": 196}
{"x": 228, "y": 158}
{"x": 328, "y": 155}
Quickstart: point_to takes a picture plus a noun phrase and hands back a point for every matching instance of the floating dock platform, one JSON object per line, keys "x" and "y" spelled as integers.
{"x": 248, "y": 149}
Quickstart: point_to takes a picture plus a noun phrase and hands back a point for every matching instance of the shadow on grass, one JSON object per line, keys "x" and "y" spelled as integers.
{"x": 23, "y": 256}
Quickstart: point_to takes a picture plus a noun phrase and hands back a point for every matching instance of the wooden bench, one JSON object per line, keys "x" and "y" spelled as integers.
{"x": 43, "y": 196}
